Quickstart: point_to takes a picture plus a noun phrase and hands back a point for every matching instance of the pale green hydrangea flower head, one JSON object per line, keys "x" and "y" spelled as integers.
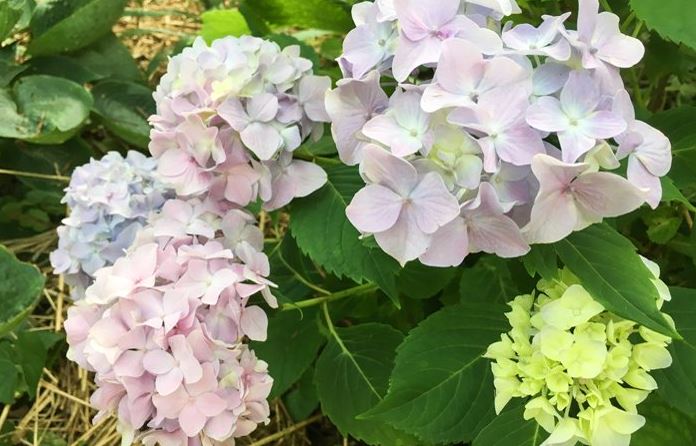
{"x": 583, "y": 369}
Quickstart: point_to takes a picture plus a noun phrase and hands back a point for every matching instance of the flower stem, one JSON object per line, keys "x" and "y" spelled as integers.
{"x": 42, "y": 176}
{"x": 360, "y": 289}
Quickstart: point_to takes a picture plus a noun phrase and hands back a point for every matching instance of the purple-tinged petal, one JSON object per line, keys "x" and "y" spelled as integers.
{"x": 404, "y": 241}
{"x": 374, "y": 208}
{"x": 381, "y": 167}
{"x": 546, "y": 115}
{"x": 432, "y": 205}
{"x": 449, "y": 245}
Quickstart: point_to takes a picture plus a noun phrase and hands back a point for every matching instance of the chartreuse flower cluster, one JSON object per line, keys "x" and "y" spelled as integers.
{"x": 109, "y": 201}
{"x": 497, "y": 135}
{"x": 229, "y": 116}
{"x": 583, "y": 369}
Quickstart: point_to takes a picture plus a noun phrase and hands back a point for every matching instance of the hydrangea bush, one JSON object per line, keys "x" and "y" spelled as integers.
{"x": 109, "y": 201}
{"x": 497, "y": 135}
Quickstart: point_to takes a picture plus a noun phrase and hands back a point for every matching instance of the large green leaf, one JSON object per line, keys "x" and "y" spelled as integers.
{"x": 43, "y": 109}
{"x": 219, "y": 23}
{"x": 31, "y": 349}
{"x": 673, "y": 19}
{"x": 323, "y": 232}
{"x": 20, "y": 288}
{"x": 302, "y": 399}
{"x": 421, "y": 282}
{"x": 8, "y": 383}
{"x": 331, "y": 15}
{"x": 489, "y": 280}
{"x": 609, "y": 267}
{"x": 60, "y": 26}
{"x": 511, "y": 429}
{"x": 678, "y": 125}
{"x": 286, "y": 365}
{"x": 108, "y": 57}
{"x": 62, "y": 66}
{"x": 677, "y": 384}
{"x": 10, "y": 12}
{"x": 124, "y": 108}
{"x": 351, "y": 377}
{"x": 671, "y": 193}
{"x": 664, "y": 425}
{"x": 441, "y": 388}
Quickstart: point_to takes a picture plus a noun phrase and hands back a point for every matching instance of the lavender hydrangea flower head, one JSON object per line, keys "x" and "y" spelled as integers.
{"x": 164, "y": 328}
{"x": 523, "y": 125}
{"x": 227, "y": 112}
{"x": 109, "y": 202}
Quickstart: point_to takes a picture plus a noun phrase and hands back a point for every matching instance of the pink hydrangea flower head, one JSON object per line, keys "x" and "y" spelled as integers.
{"x": 226, "y": 110}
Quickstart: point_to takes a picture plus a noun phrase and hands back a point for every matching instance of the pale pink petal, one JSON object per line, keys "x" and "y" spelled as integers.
{"x": 603, "y": 125}
{"x": 490, "y": 230}
{"x": 449, "y": 245}
{"x": 374, "y": 208}
{"x": 307, "y": 176}
{"x": 169, "y": 382}
{"x": 432, "y": 204}
{"x": 580, "y": 95}
{"x": 191, "y": 420}
{"x": 263, "y": 107}
{"x": 410, "y": 55}
{"x": 254, "y": 323}
{"x": 574, "y": 144}
{"x": 417, "y": 18}
{"x": 404, "y": 241}
{"x": 606, "y": 194}
{"x": 587, "y": 18}
{"x": 380, "y": 166}
{"x": 546, "y": 115}
{"x": 220, "y": 427}
{"x": 554, "y": 216}
{"x": 158, "y": 362}
{"x": 262, "y": 139}
{"x": 210, "y": 404}
{"x": 387, "y": 131}
{"x": 640, "y": 177}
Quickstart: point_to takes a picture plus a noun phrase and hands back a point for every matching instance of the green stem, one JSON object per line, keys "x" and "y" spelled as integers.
{"x": 360, "y": 289}
{"x": 42, "y": 176}
{"x": 605, "y": 5}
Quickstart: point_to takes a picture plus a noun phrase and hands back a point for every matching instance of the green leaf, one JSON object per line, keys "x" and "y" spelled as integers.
{"x": 8, "y": 383}
{"x": 418, "y": 281}
{"x": 219, "y": 23}
{"x": 8, "y": 68}
{"x": 351, "y": 377}
{"x": 302, "y": 400}
{"x": 330, "y": 15}
{"x": 43, "y": 109}
{"x": 124, "y": 108}
{"x": 673, "y": 19}
{"x": 291, "y": 271}
{"x": 60, "y": 26}
{"x": 32, "y": 349}
{"x": 677, "y": 384}
{"x": 511, "y": 429}
{"x": 108, "y": 57}
{"x": 609, "y": 267}
{"x": 664, "y": 425}
{"x": 323, "y": 232}
{"x": 671, "y": 193}
{"x": 62, "y": 66}
{"x": 441, "y": 388}
{"x": 286, "y": 365}
{"x": 663, "y": 224}
{"x": 542, "y": 260}
{"x": 678, "y": 125}
{"x": 10, "y": 12}
{"x": 489, "y": 280}
{"x": 20, "y": 288}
